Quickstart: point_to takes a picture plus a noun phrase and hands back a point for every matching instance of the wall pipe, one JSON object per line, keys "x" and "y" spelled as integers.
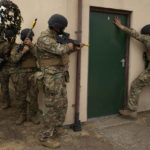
{"x": 77, "y": 124}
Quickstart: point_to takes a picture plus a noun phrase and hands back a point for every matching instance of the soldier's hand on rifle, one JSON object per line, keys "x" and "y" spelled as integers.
{"x": 28, "y": 42}
{"x": 79, "y": 47}
{"x": 25, "y": 49}
{"x": 117, "y": 22}
{"x": 70, "y": 46}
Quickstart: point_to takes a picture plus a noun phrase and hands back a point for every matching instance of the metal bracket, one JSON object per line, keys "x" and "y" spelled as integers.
{"x": 77, "y": 125}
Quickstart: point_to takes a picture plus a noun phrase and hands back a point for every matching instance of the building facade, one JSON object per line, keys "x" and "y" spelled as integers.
{"x": 97, "y": 16}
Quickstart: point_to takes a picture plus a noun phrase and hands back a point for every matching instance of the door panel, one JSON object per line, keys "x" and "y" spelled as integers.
{"x": 106, "y": 71}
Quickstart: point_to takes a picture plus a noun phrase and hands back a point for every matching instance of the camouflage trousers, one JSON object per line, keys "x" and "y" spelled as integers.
{"x": 55, "y": 104}
{"x": 25, "y": 88}
{"x": 5, "y": 76}
{"x": 136, "y": 87}
{"x": 4, "y": 80}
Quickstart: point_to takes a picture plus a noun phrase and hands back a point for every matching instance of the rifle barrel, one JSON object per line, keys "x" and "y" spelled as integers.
{"x": 85, "y": 44}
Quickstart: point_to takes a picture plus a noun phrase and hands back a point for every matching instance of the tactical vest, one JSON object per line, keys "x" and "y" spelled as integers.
{"x": 28, "y": 61}
{"x": 50, "y": 59}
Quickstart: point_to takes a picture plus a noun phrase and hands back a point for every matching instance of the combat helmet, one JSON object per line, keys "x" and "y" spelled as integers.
{"x": 146, "y": 29}
{"x": 57, "y": 21}
{"x": 25, "y": 32}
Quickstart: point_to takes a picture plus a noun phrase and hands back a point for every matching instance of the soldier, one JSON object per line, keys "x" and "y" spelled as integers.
{"x": 53, "y": 59}
{"x": 144, "y": 78}
{"x": 24, "y": 57}
{"x": 7, "y": 68}
{"x": 10, "y": 26}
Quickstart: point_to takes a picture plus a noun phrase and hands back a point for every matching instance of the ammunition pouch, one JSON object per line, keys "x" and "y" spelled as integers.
{"x": 53, "y": 80}
{"x": 55, "y": 61}
{"x": 50, "y": 83}
{"x": 29, "y": 63}
{"x": 38, "y": 79}
{"x": 67, "y": 76}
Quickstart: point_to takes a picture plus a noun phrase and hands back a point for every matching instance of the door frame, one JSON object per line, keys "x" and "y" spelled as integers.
{"x": 128, "y": 14}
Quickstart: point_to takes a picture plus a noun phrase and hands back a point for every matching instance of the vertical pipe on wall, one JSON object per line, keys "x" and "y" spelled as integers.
{"x": 77, "y": 124}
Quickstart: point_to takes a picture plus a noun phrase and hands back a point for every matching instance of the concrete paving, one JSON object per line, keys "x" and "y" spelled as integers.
{"x": 123, "y": 133}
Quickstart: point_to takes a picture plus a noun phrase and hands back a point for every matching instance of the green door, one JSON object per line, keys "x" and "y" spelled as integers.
{"x": 106, "y": 65}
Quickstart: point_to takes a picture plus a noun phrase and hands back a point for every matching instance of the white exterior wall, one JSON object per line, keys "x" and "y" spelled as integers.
{"x": 43, "y": 9}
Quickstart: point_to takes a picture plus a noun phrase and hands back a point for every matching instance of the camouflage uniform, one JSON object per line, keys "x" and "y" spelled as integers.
{"x": 6, "y": 70}
{"x": 53, "y": 60}
{"x": 23, "y": 79}
{"x": 144, "y": 78}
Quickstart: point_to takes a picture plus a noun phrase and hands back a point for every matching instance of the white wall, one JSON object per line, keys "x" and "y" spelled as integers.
{"x": 43, "y": 9}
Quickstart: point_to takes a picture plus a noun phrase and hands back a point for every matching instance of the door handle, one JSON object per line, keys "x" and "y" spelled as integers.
{"x": 123, "y": 62}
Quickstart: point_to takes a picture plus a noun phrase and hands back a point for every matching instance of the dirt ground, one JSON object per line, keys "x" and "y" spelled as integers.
{"x": 23, "y": 137}
{"x": 113, "y": 133}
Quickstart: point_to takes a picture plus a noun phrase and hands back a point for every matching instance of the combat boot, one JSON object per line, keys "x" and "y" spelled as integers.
{"x": 128, "y": 113}
{"x": 21, "y": 120}
{"x": 51, "y": 143}
{"x": 61, "y": 131}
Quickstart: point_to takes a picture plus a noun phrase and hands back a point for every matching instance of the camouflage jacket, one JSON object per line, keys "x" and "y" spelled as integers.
{"x": 49, "y": 49}
{"x": 3, "y": 47}
{"x": 145, "y": 39}
{"x": 25, "y": 62}
{"x": 5, "y": 52}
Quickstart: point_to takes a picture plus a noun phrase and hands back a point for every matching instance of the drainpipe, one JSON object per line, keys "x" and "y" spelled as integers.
{"x": 77, "y": 124}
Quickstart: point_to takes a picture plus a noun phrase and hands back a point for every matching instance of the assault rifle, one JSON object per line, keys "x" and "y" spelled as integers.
{"x": 21, "y": 46}
{"x": 64, "y": 38}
